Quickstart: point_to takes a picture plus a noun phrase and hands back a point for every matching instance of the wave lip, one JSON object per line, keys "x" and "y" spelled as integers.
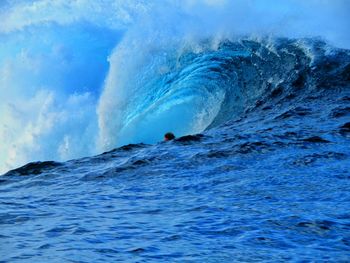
{"x": 61, "y": 50}
{"x": 195, "y": 90}
{"x": 185, "y": 90}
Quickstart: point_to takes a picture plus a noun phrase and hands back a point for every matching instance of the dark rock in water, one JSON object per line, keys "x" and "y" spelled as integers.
{"x": 131, "y": 146}
{"x": 190, "y": 138}
{"x": 34, "y": 168}
{"x": 127, "y": 147}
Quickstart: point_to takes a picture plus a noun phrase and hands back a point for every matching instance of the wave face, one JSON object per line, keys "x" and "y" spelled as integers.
{"x": 78, "y": 78}
{"x": 188, "y": 90}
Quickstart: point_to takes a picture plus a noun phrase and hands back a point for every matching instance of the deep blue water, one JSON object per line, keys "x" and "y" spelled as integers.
{"x": 268, "y": 180}
{"x": 257, "y": 93}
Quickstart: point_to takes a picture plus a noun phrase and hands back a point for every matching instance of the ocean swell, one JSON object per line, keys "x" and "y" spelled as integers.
{"x": 188, "y": 90}
{"x": 79, "y": 77}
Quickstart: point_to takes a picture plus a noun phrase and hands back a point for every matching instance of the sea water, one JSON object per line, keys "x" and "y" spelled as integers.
{"x": 259, "y": 170}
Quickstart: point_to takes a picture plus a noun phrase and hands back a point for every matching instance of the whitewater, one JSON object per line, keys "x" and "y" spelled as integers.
{"x": 257, "y": 93}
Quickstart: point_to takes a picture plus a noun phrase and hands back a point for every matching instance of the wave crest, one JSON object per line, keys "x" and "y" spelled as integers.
{"x": 187, "y": 90}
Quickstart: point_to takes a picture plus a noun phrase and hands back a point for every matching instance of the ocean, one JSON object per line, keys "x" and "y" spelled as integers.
{"x": 259, "y": 168}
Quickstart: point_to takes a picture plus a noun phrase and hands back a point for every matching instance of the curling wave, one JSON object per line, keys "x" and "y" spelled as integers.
{"x": 189, "y": 90}
{"x": 78, "y": 78}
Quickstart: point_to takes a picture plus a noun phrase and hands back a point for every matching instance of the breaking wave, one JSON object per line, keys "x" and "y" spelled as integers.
{"x": 78, "y": 78}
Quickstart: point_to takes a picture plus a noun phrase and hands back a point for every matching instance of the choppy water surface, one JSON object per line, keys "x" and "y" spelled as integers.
{"x": 268, "y": 182}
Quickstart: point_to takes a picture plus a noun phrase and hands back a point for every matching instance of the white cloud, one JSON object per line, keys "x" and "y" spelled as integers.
{"x": 44, "y": 128}
{"x": 108, "y": 13}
